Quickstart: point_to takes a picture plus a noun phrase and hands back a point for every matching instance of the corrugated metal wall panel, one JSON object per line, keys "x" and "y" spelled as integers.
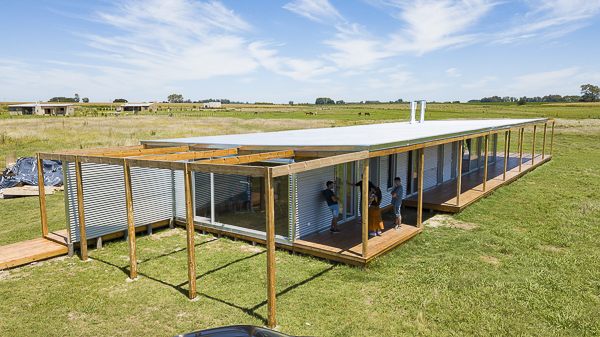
{"x": 152, "y": 193}
{"x": 383, "y": 180}
{"x": 448, "y": 161}
{"x": 402, "y": 170}
{"x": 430, "y": 167}
{"x": 312, "y": 214}
{"x": 202, "y": 195}
{"x": 179, "y": 187}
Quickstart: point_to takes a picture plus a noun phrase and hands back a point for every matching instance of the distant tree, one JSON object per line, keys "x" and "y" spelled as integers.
{"x": 62, "y": 99}
{"x": 522, "y": 101}
{"x": 571, "y": 98}
{"x": 76, "y": 99}
{"x": 85, "y": 100}
{"x": 291, "y": 102}
{"x": 340, "y": 102}
{"x": 456, "y": 102}
{"x": 399, "y": 100}
{"x": 120, "y": 100}
{"x": 324, "y": 100}
{"x": 175, "y": 98}
{"x": 590, "y": 93}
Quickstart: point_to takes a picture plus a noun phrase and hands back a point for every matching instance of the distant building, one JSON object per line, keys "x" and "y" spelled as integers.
{"x": 136, "y": 107}
{"x": 212, "y": 105}
{"x": 41, "y": 109}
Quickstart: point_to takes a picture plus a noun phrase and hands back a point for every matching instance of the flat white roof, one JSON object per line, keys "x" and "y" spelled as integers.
{"x": 359, "y": 137}
{"x": 32, "y": 105}
{"x": 137, "y": 104}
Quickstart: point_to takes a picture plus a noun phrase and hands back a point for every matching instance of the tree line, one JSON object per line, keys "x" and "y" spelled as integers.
{"x": 589, "y": 93}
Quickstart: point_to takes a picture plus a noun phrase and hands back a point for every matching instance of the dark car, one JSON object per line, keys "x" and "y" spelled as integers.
{"x": 236, "y": 331}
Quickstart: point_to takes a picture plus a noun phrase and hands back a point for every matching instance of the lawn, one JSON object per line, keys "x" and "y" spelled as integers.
{"x": 524, "y": 261}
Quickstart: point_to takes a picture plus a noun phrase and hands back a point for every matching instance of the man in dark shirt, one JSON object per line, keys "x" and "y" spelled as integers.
{"x": 359, "y": 185}
{"x": 397, "y": 193}
{"x": 332, "y": 202}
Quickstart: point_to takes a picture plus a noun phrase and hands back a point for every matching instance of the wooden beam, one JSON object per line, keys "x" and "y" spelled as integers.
{"x": 365, "y": 207}
{"x": 459, "y": 172}
{"x": 101, "y": 160}
{"x": 251, "y": 158}
{"x": 552, "y": 139}
{"x": 317, "y": 154}
{"x": 80, "y": 210}
{"x": 131, "y": 153}
{"x": 42, "y": 196}
{"x": 130, "y": 223}
{"x": 420, "y": 197}
{"x": 521, "y": 139}
{"x": 101, "y": 150}
{"x": 506, "y": 156}
{"x": 57, "y": 156}
{"x": 544, "y": 143}
{"x": 533, "y": 147}
{"x": 189, "y": 228}
{"x": 167, "y": 165}
{"x": 270, "y": 233}
{"x": 191, "y": 155}
{"x": 485, "y": 162}
{"x": 318, "y": 163}
{"x": 244, "y": 170}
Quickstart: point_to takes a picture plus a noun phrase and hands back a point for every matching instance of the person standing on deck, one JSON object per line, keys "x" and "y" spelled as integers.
{"x": 375, "y": 220}
{"x": 359, "y": 185}
{"x": 397, "y": 194}
{"x": 332, "y": 202}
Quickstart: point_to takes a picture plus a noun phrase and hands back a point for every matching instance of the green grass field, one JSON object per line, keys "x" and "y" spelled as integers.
{"x": 524, "y": 261}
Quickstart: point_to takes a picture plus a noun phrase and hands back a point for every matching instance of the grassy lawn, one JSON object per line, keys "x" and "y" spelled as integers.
{"x": 524, "y": 261}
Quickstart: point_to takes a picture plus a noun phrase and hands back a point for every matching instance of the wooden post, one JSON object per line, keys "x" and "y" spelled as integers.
{"x": 485, "y": 161}
{"x": 130, "y": 222}
{"x": 521, "y": 139}
{"x": 42, "y": 192}
{"x": 544, "y": 143}
{"x": 420, "y": 203}
{"x": 533, "y": 147}
{"x": 506, "y": 156}
{"x": 189, "y": 228}
{"x": 80, "y": 211}
{"x": 459, "y": 173}
{"x": 270, "y": 219}
{"x": 552, "y": 139}
{"x": 365, "y": 207}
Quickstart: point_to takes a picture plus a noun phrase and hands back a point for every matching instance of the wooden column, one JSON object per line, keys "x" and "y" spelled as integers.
{"x": 552, "y": 139}
{"x": 506, "y": 155}
{"x": 130, "y": 222}
{"x": 80, "y": 210}
{"x": 420, "y": 197}
{"x": 270, "y": 220}
{"x": 189, "y": 228}
{"x": 533, "y": 147}
{"x": 42, "y": 192}
{"x": 459, "y": 173}
{"x": 521, "y": 138}
{"x": 544, "y": 143}
{"x": 485, "y": 161}
{"x": 364, "y": 198}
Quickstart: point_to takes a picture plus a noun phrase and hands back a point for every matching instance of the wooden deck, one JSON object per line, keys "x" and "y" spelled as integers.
{"x": 347, "y": 246}
{"x": 443, "y": 197}
{"x": 21, "y": 253}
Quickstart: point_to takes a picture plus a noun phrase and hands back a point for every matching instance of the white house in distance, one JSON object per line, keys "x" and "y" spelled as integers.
{"x": 41, "y": 109}
{"x": 212, "y": 104}
{"x": 136, "y": 107}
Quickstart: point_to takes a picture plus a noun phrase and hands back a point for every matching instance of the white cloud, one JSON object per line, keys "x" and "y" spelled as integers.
{"x": 544, "y": 80}
{"x": 453, "y": 72}
{"x": 317, "y": 10}
{"x": 480, "y": 83}
{"x": 356, "y": 49}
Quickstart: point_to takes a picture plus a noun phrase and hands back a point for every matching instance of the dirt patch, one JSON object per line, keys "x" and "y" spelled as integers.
{"x": 490, "y": 259}
{"x": 3, "y": 274}
{"x": 519, "y": 229}
{"x": 248, "y": 248}
{"x": 442, "y": 220}
{"x": 165, "y": 233}
{"x": 75, "y": 315}
{"x": 552, "y": 248}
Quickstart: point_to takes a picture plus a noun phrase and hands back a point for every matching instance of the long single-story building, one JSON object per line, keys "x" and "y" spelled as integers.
{"x": 136, "y": 107}
{"x": 212, "y": 104}
{"x": 267, "y": 187}
{"x": 41, "y": 109}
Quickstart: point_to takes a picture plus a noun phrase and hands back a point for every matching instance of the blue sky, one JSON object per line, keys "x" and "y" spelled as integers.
{"x": 297, "y": 50}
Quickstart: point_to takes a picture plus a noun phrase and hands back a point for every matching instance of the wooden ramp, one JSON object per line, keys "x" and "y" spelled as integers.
{"x": 443, "y": 197}
{"x": 346, "y": 246}
{"x": 21, "y": 253}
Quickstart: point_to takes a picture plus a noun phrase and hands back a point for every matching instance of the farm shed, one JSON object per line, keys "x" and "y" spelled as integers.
{"x": 136, "y": 107}
{"x": 266, "y": 187}
{"x": 41, "y": 109}
{"x": 212, "y": 105}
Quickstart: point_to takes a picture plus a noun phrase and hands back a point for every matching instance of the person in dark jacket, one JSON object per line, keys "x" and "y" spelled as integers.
{"x": 332, "y": 203}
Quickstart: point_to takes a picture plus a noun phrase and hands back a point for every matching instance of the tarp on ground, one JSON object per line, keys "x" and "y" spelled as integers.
{"x": 27, "y": 173}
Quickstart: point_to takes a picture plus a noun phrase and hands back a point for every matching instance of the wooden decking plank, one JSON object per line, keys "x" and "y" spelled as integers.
{"x": 29, "y": 251}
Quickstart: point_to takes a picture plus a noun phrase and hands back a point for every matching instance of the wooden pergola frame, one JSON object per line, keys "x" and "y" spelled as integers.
{"x": 227, "y": 161}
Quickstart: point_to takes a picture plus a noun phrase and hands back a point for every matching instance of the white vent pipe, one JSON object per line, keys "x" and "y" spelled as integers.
{"x": 413, "y": 108}
{"x": 422, "y": 115}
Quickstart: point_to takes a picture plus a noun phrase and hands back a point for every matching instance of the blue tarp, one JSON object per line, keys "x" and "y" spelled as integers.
{"x": 27, "y": 173}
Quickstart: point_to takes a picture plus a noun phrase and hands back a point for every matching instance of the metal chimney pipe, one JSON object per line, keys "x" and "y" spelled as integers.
{"x": 413, "y": 108}
{"x": 422, "y": 115}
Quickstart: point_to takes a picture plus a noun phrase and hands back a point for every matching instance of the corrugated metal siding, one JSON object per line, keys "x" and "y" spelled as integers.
{"x": 312, "y": 214}
{"x": 402, "y": 170}
{"x": 430, "y": 167}
{"x": 104, "y": 198}
{"x": 179, "y": 187}
{"x": 448, "y": 161}
{"x": 386, "y": 199}
{"x": 202, "y": 195}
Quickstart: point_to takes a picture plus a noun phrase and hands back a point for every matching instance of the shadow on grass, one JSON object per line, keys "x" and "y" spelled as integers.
{"x": 179, "y": 287}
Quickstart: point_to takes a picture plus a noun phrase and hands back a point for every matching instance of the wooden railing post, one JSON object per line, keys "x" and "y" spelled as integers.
{"x": 485, "y": 161}
{"x": 521, "y": 139}
{"x": 552, "y": 139}
{"x": 544, "y": 143}
{"x": 130, "y": 223}
{"x": 365, "y": 207}
{"x": 189, "y": 228}
{"x": 42, "y": 193}
{"x": 459, "y": 173}
{"x": 270, "y": 219}
{"x": 80, "y": 210}
{"x": 533, "y": 147}
{"x": 506, "y": 155}
{"x": 420, "y": 197}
